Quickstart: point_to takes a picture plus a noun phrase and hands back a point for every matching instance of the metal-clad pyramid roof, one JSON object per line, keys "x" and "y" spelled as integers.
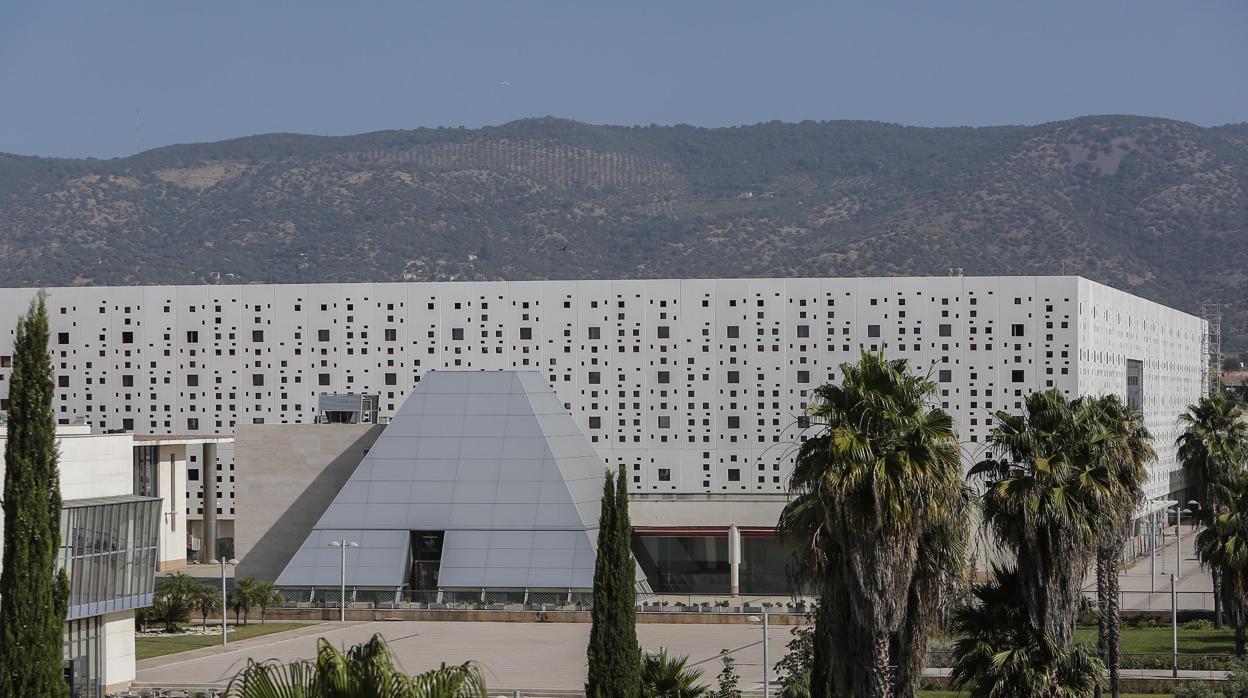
{"x": 491, "y": 458}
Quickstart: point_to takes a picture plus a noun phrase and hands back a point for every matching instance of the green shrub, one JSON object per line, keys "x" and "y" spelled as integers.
{"x": 1196, "y": 689}
{"x": 1198, "y": 624}
{"x": 1089, "y": 612}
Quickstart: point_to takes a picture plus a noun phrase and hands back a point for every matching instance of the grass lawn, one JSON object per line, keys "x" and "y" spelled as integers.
{"x": 1157, "y": 640}
{"x": 148, "y": 647}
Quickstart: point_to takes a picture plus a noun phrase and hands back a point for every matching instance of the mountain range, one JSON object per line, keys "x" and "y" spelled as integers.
{"x": 1152, "y": 206}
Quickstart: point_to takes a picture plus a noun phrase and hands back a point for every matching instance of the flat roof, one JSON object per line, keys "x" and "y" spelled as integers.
{"x": 178, "y": 440}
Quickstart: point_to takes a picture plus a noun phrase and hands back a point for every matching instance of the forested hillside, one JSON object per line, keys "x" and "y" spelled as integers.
{"x": 1153, "y": 206}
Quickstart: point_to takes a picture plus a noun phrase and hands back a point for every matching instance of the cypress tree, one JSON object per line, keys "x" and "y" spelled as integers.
{"x": 624, "y": 596}
{"x": 33, "y": 596}
{"x": 613, "y": 654}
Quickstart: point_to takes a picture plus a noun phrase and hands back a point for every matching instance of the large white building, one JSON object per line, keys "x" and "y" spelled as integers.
{"x": 697, "y": 387}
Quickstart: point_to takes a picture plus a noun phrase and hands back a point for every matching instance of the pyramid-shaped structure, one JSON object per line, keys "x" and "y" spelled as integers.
{"x": 495, "y": 462}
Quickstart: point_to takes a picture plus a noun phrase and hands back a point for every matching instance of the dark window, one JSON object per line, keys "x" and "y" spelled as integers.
{"x": 322, "y": 335}
{"x": 127, "y": 381}
{"x": 945, "y": 330}
{"x": 62, "y": 381}
{"x": 664, "y": 332}
{"x": 803, "y": 376}
{"x": 192, "y": 380}
{"x": 192, "y": 474}
{"x": 457, "y": 333}
{"x": 127, "y": 338}
{"x": 595, "y": 333}
{"x": 257, "y": 379}
{"x": 1016, "y": 376}
{"x": 803, "y": 331}
{"x": 946, "y": 376}
{"x": 734, "y": 332}
{"x": 665, "y": 474}
{"x": 526, "y": 333}
{"x": 1016, "y": 330}
{"x": 192, "y": 336}
{"x": 734, "y": 422}
{"x": 257, "y": 335}
{"x": 595, "y": 378}
{"x": 595, "y": 422}
{"x": 665, "y": 422}
{"x": 665, "y": 377}
{"x": 873, "y": 330}
{"x": 392, "y": 379}
{"x": 803, "y": 422}
{"x": 62, "y": 338}
{"x": 323, "y": 379}
{"x": 734, "y": 376}
{"x": 734, "y": 475}
{"x": 392, "y": 335}
{"x": 192, "y": 423}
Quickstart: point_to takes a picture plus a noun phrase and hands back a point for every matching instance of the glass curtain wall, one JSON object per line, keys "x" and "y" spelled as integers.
{"x": 698, "y": 564}
{"x": 82, "y": 657}
{"x": 109, "y": 551}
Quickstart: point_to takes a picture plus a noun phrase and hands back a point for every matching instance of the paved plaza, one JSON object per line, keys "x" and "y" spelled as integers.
{"x": 515, "y": 656}
{"x": 551, "y": 656}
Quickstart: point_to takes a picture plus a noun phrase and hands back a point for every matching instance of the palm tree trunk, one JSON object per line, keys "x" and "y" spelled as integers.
{"x": 1113, "y": 622}
{"x": 1103, "y": 573}
{"x": 821, "y": 681}
{"x": 880, "y": 684}
{"x": 1216, "y": 574}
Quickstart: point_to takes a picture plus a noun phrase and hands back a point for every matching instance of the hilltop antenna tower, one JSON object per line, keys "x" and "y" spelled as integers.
{"x": 1212, "y": 345}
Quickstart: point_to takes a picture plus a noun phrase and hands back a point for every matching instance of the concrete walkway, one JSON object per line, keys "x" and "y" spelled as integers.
{"x": 514, "y": 656}
{"x": 529, "y": 657}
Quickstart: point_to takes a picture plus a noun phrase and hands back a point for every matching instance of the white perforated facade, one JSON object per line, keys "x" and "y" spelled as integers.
{"x": 696, "y": 386}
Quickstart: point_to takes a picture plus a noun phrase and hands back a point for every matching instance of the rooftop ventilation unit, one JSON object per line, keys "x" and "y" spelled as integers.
{"x": 349, "y": 408}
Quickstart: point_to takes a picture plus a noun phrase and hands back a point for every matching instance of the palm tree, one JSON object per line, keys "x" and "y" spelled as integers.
{"x": 366, "y": 669}
{"x": 878, "y": 507}
{"x": 1047, "y": 496}
{"x": 207, "y": 600}
{"x": 265, "y": 594}
{"x": 1001, "y": 652}
{"x": 1126, "y": 447}
{"x": 1223, "y": 546}
{"x": 1214, "y": 444}
{"x": 243, "y": 598}
{"x": 665, "y": 676}
{"x": 173, "y": 601}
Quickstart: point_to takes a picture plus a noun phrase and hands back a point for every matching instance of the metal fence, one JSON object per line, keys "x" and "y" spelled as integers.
{"x": 1160, "y": 600}
{"x": 524, "y": 599}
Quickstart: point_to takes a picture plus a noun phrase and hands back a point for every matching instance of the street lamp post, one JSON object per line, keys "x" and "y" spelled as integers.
{"x": 1178, "y": 539}
{"x": 1152, "y": 545}
{"x": 343, "y": 545}
{"x": 225, "y": 601}
{"x": 766, "y": 668}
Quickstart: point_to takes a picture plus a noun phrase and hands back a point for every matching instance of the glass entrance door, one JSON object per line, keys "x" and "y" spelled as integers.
{"x": 426, "y": 560}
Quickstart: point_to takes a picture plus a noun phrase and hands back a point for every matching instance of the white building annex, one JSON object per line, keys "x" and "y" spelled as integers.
{"x": 695, "y": 386}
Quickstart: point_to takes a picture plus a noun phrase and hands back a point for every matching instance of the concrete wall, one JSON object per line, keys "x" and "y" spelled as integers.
{"x": 694, "y": 510}
{"x": 117, "y": 650}
{"x": 171, "y": 487}
{"x": 292, "y": 472}
{"x": 91, "y": 465}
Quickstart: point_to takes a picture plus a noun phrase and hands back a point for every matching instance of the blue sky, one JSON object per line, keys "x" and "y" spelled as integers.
{"x": 73, "y": 73}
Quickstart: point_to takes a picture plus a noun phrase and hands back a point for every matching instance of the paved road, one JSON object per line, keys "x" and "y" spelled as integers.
{"x": 525, "y": 656}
